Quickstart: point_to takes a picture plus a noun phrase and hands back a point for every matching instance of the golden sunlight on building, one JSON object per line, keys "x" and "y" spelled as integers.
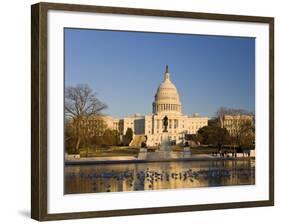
{"x": 234, "y": 123}
{"x": 166, "y": 103}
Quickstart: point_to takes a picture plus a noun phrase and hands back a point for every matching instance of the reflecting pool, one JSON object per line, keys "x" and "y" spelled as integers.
{"x": 157, "y": 175}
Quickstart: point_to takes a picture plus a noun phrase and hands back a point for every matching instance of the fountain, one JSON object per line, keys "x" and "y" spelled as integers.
{"x": 165, "y": 144}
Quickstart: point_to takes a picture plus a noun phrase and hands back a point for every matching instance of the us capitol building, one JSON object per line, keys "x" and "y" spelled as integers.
{"x": 150, "y": 127}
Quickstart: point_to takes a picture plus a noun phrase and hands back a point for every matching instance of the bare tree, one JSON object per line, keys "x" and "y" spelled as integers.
{"x": 81, "y": 101}
{"x": 243, "y": 131}
{"x": 80, "y": 104}
{"x": 240, "y": 123}
{"x": 222, "y": 111}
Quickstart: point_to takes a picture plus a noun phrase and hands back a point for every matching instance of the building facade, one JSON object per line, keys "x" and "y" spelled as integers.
{"x": 166, "y": 103}
{"x": 236, "y": 123}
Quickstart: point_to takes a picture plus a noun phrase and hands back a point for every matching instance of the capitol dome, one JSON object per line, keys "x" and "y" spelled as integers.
{"x": 167, "y": 99}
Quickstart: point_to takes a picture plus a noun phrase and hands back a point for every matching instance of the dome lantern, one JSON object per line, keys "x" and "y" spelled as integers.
{"x": 167, "y": 74}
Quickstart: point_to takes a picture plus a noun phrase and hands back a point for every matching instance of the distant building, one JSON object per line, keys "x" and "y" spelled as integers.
{"x": 213, "y": 122}
{"x": 233, "y": 123}
{"x": 94, "y": 125}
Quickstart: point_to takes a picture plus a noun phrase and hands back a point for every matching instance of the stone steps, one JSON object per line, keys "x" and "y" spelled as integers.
{"x": 136, "y": 141}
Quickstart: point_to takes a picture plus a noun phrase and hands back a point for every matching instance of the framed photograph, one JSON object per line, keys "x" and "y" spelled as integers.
{"x": 140, "y": 111}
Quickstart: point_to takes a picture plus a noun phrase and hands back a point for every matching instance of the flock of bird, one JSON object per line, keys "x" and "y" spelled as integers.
{"x": 150, "y": 179}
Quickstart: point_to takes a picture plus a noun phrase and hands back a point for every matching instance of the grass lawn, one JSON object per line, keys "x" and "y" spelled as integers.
{"x": 105, "y": 152}
{"x": 126, "y": 151}
{"x": 196, "y": 150}
{"x": 203, "y": 150}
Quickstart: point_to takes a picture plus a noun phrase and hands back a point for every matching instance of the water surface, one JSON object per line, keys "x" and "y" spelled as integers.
{"x": 155, "y": 176}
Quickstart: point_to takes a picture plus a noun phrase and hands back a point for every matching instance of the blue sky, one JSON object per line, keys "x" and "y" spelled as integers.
{"x": 126, "y": 68}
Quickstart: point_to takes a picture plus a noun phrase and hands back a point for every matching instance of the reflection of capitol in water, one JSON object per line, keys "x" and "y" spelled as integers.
{"x": 154, "y": 176}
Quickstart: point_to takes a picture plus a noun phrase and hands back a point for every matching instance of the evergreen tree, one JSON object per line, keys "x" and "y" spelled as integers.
{"x": 128, "y": 136}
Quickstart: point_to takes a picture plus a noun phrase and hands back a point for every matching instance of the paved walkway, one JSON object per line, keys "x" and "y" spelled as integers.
{"x": 132, "y": 159}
